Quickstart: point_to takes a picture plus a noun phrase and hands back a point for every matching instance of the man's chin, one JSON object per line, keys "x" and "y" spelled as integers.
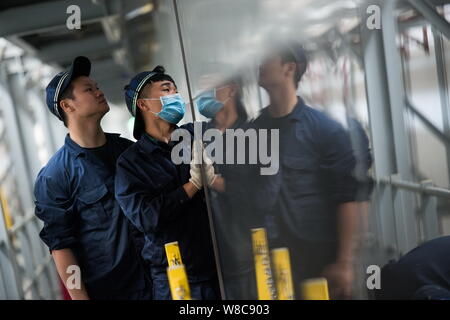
{"x": 103, "y": 111}
{"x": 105, "y": 107}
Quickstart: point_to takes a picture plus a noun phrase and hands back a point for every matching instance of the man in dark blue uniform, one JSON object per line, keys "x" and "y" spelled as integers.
{"x": 84, "y": 226}
{"x": 309, "y": 205}
{"x": 161, "y": 198}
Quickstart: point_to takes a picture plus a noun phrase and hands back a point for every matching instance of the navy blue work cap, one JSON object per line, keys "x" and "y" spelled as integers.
{"x": 81, "y": 66}
{"x": 132, "y": 91}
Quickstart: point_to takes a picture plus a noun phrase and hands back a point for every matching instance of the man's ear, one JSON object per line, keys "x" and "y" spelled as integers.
{"x": 66, "y": 106}
{"x": 233, "y": 90}
{"x": 141, "y": 105}
{"x": 290, "y": 67}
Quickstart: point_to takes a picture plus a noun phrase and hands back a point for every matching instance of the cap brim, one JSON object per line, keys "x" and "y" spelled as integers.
{"x": 139, "y": 125}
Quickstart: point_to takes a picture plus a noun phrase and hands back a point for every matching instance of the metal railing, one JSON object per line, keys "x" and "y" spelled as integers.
{"x": 428, "y": 209}
{"x": 424, "y": 188}
{"x": 35, "y": 275}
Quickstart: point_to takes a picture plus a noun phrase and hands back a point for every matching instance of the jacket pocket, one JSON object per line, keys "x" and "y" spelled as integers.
{"x": 300, "y": 176}
{"x": 91, "y": 207}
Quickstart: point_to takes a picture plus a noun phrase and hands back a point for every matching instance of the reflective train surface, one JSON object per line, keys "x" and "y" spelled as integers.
{"x": 326, "y": 125}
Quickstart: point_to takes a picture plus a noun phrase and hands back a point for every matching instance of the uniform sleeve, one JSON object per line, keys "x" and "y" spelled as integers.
{"x": 145, "y": 204}
{"x": 364, "y": 160}
{"x": 54, "y": 207}
{"x": 337, "y": 162}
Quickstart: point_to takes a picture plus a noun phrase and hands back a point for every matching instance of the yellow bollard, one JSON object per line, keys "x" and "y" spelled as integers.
{"x": 283, "y": 275}
{"x": 173, "y": 254}
{"x": 179, "y": 285}
{"x": 5, "y": 209}
{"x": 315, "y": 289}
{"x": 264, "y": 279}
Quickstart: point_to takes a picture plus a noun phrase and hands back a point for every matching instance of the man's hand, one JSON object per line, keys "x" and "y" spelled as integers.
{"x": 195, "y": 171}
{"x": 209, "y": 169}
{"x": 340, "y": 273}
{"x": 340, "y": 279}
{"x": 199, "y": 156}
{"x": 196, "y": 176}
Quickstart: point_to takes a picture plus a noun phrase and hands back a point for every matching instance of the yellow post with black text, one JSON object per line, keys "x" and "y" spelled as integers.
{"x": 173, "y": 254}
{"x": 176, "y": 272}
{"x": 264, "y": 278}
{"x": 283, "y": 275}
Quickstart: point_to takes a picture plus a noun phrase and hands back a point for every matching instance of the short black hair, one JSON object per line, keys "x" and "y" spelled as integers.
{"x": 294, "y": 52}
{"x": 159, "y": 76}
{"x": 66, "y": 94}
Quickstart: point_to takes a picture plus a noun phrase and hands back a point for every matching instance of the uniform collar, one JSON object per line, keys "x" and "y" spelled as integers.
{"x": 236, "y": 124}
{"x": 295, "y": 115}
{"x": 148, "y": 144}
{"x": 77, "y": 151}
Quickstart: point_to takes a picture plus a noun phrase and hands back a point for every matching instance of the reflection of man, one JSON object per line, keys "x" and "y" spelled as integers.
{"x": 223, "y": 105}
{"x": 363, "y": 156}
{"x": 309, "y": 205}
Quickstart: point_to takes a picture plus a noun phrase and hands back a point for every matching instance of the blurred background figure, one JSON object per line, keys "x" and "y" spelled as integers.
{"x": 312, "y": 208}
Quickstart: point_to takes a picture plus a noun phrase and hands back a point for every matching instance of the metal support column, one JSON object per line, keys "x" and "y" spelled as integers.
{"x": 381, "y": 135}
{"x": 403, "y": 201}
{"x": 29, "y": 248}
{"x": 441, "y": 70}
{"x": 24, "y": 180}
{"x": 430, "y": 13}
{"x": 8, "y": 267}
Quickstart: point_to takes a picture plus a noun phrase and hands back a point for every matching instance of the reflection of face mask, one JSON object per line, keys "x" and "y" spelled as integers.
{"x": 208, "y": 105}
{"x": 173, "y": 108}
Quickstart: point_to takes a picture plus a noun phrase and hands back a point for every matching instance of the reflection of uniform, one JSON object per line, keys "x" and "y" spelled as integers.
{"x": 149, "y": 187}
{"x": 75, "y": 199}
{"x": 300, "y": 202}
{"x": 363, "y": 155}
{"x": 423, "y": 273}
{"x": 233, "y": 225}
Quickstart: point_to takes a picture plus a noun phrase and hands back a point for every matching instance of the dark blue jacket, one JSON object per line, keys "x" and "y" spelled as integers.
{"x": 75, "y": 200}
{"x": 149, "y": 188}
{"x": 315, "y": 175}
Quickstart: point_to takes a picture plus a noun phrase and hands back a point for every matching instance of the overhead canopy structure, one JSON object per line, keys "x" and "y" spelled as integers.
{"x": 120, "y": 36}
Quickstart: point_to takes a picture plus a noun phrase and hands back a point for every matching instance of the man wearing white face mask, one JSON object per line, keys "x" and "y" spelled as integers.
{"x": 160, "y": 198}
